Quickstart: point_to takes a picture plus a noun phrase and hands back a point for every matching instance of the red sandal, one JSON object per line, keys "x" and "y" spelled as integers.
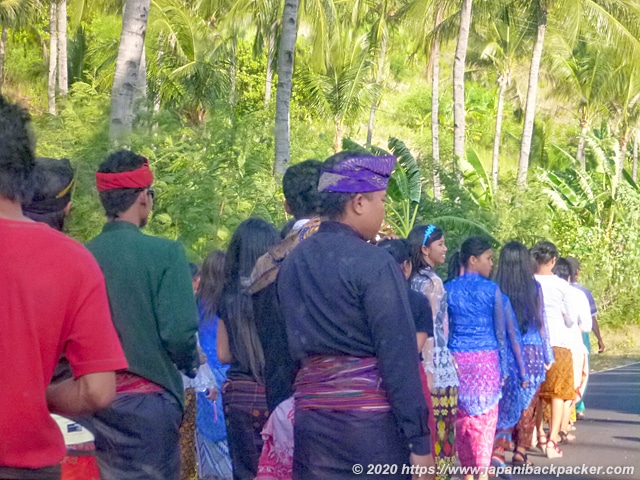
{"x": 553, "y": 451}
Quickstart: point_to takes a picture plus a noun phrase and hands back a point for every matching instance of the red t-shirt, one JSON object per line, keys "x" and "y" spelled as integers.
{"x": 52, "y": 300}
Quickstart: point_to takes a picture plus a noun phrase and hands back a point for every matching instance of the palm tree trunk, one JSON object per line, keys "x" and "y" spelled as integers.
{"x": 458, "y": 83}
{"x": 495, "y": 161}
{"x": 624, "y": 140}
{"x": 269, "y": 77}
{"x": 337, "y": 139}
{"x": 141, "y": 93}
{"x": 63, "y": 75}
{"x": 376, "y": 98}
{"x": 580, "y": 153}
{"x": 233, "y": 68}
{"x": 3, "y": 46}
{"x": 53, "y": 58}
{"x": 125, "y": 80}
{"x": 634, "y": 172}
{"x": 530, "y": 108}
{"x": 435, "y": 106}
{"x": 286, "y": 54}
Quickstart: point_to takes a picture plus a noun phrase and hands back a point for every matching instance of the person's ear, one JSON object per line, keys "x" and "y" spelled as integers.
{"x": 358, "y": 204}
{"x": 424, "y": 250}
{"x": 287, "y": 208}
{"x": 67, "y": 209}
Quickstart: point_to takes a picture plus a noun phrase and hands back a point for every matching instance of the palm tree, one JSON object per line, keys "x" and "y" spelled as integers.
{"x": 634, "y": 170}
{"x": 341, "y": 90}
{"x": 532, "y": 93}
{"x": 501, "y": 42}
{"x": 614, "y": 23}
{"x": 430, "y": 16}
{"x": 63, "y": 75}
{"x": 583, "y": 75}
{"x": 53, "y": 58}
{"x": 189, "y": 74}
{"x": 625, "y": 108}
{"x": 286, "y": 53}
{"x": 459, "y": 67}
{"x": 13, "y": 13}
{"x": 125, "y": 80}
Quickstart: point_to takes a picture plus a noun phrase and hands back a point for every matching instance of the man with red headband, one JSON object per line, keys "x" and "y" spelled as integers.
{"x": 154, "y": 311}
{"x": 52, "y": 301}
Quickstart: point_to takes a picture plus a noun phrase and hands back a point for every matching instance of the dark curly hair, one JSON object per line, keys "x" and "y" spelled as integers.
{"x": 300, "y": 188}
{"x": 17, "y": 147}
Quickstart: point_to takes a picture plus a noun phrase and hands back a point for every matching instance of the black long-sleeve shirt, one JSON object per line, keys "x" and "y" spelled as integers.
{"x": 340, "y": 295}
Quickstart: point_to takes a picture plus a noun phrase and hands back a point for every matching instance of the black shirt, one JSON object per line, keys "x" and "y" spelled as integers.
{"x": 279, "y": 368}
{"x": 421, "y": 311}
{"x": 340, "y": 295}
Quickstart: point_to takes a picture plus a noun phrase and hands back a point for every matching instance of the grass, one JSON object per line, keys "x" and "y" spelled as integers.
{"x": 622, "y": 347}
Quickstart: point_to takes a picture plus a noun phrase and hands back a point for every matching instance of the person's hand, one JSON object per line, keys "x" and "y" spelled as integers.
{"x": 212, "y": 394}
{"x": 601, "y": 347}
{"x": 423, "y": 463}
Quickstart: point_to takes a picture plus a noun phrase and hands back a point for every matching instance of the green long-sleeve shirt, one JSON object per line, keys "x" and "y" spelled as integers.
{"x": 152, "y": 304}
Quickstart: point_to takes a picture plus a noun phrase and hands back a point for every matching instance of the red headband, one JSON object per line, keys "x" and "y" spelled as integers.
{"x": 138, "y": 178}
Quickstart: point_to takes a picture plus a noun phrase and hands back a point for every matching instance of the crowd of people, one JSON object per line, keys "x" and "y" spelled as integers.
{"x": 296, "y": 354}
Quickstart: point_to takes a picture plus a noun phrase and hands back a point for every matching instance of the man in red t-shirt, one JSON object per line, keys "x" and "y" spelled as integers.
{"x": 52, "y": 301}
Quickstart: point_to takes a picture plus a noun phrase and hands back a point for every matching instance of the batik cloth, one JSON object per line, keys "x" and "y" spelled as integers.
{"x": 342, "y": 418}
{"x": 559, "y": 382}
{"x": 474, "y": 437}
{"x": 477, "y": 414}
{"x": 444, "y": 402}
{"x": 276, "y": 460}
{"x": 245, "y": 409}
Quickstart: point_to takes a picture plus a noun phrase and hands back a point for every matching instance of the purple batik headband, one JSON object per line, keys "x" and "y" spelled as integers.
{"x": 358, "y": 174}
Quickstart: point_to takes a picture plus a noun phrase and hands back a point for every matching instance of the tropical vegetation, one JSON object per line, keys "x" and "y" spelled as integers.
{"x": 512, "y": 119}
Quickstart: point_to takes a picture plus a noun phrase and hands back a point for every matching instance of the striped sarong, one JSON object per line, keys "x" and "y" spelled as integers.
{"x": 340, "y": 383}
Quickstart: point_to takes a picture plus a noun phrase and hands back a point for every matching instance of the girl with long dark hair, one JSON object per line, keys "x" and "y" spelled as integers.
{"x": 211, "y": 433}
{"x": 481, "y": 326}
{"x": 558, "y": 386}
{"x": 518, "y": 404}
{"x": 428, "y": 251}
{"x": 243, "y": 394}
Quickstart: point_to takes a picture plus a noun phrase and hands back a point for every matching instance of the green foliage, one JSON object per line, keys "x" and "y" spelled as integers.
{"x": 209, "y": 137}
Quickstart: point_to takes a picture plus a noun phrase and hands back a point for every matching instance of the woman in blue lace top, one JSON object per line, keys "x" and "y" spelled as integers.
{"x": 481, "y": 327}
{"x": 518, "y": 404}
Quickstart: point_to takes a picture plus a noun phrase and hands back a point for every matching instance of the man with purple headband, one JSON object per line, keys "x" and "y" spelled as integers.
{"x": 358, "y": 401}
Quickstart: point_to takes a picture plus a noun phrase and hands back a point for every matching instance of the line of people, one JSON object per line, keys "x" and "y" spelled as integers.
{"x": 341, "y": 350}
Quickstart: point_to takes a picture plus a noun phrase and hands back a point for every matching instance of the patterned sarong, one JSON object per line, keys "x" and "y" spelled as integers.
{"x": 276, "y": 461}
{"x": 340, "y": 383}
{"x": 559, "y": 382}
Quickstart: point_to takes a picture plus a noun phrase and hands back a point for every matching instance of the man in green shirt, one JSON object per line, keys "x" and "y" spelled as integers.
{"x": 154, "y": 312}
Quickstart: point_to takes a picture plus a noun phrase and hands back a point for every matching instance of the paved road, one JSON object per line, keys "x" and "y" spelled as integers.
{"x": 610, "y": 434}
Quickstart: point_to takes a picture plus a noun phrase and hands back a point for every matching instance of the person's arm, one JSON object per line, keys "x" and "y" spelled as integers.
{"x": 596, "y": 331}
{"x": 421, "y": 337}
{"x": 569, "y": 311}
{"x": 177, "y": 313}
{"x": 500, "y": 331}
{"x": 514, "y": 336}
{"x": 84, "y": 395}
{"x": 222, "y": 344}
{"x": 547, "y": 349}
